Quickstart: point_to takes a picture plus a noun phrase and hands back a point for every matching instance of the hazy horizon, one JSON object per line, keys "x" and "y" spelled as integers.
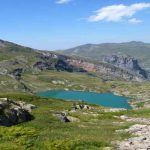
{"x": 74, "y": 45}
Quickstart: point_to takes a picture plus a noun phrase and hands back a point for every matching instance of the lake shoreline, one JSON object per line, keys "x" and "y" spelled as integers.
{"x": 113, "y": 101}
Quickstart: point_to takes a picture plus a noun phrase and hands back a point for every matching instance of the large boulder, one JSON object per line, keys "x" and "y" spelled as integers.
{"x": 64, "y": 117}
{"x": 12, "y": 112}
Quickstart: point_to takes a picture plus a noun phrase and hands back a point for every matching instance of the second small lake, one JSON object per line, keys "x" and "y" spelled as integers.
{"x": 103, "y": 99}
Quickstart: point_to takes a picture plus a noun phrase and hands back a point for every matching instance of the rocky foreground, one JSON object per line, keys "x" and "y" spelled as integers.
{"x": 12, "y": 112}
{"x": 140, "y": 133}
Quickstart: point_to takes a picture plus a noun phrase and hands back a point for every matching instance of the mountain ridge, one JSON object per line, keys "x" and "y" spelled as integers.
{"x": 136, "y": 49}
{"x": 19, "y": 64}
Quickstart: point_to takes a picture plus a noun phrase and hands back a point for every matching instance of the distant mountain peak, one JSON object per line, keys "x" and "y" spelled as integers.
{"x": 134, "y": 42}
{"x": 135, "y": 49}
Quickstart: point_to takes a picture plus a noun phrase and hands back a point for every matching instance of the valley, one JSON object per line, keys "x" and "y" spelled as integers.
{"x": 74, "y": 75}
{"x": 59, "y": 124}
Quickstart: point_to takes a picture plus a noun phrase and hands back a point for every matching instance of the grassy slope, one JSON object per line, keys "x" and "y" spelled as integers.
{"x": 138, "y": 91}
{"x": 11, "y": 51}
{"x": 37, "y": 81}
{"x": 44, "y": 81}
{"x": 46, "y": 132}
{"x": 74, "y": 81}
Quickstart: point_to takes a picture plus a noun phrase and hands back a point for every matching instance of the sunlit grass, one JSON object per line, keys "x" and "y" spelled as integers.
{"x": 46, "y": 132}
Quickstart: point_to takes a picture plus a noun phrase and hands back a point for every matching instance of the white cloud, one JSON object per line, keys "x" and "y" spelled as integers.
{"x": 135, "y": 21}
{"x": 63, "y": 1}
{"x": 117, "y": 13}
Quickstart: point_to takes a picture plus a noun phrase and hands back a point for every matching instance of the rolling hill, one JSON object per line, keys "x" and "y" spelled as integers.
{"x": 139, "y": 50}
{"x": 30, "y": 70}
{"x": 24, "y": 71}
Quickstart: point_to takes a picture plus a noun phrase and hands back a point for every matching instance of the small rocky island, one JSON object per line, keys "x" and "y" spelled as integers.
{"x": 14, "y": 112}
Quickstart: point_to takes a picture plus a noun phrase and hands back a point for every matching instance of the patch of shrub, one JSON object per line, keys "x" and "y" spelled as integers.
{"x": 74, "y": 145}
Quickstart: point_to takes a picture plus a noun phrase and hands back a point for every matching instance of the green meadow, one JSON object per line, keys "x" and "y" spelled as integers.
{"x": 96, "y": 129}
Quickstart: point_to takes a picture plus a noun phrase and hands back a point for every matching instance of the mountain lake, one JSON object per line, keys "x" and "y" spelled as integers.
{"x": 103, "y": 99}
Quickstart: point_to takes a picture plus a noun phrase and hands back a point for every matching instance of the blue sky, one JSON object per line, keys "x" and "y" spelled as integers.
{"x": 59, "y": 24}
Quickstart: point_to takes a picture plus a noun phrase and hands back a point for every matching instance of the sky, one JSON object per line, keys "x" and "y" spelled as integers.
{"x": 62, "y": 24}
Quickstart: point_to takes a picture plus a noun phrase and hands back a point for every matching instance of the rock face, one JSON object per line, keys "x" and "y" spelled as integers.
{"x": 17, "y": 73}
{"x": 57, "y": 62}
{"x": 49, "y": 61}
{"x": 12, "y": 112}
{"x": 126, "y": 62}
{"x": 107, "y": 70}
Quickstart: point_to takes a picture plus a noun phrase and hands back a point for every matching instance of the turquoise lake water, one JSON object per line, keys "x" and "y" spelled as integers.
{"x": 104, "y": 99}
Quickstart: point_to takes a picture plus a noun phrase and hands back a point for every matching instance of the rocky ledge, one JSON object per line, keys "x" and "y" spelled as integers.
{"x": 128, "y": 63}
{"x": 12, "y": 112}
